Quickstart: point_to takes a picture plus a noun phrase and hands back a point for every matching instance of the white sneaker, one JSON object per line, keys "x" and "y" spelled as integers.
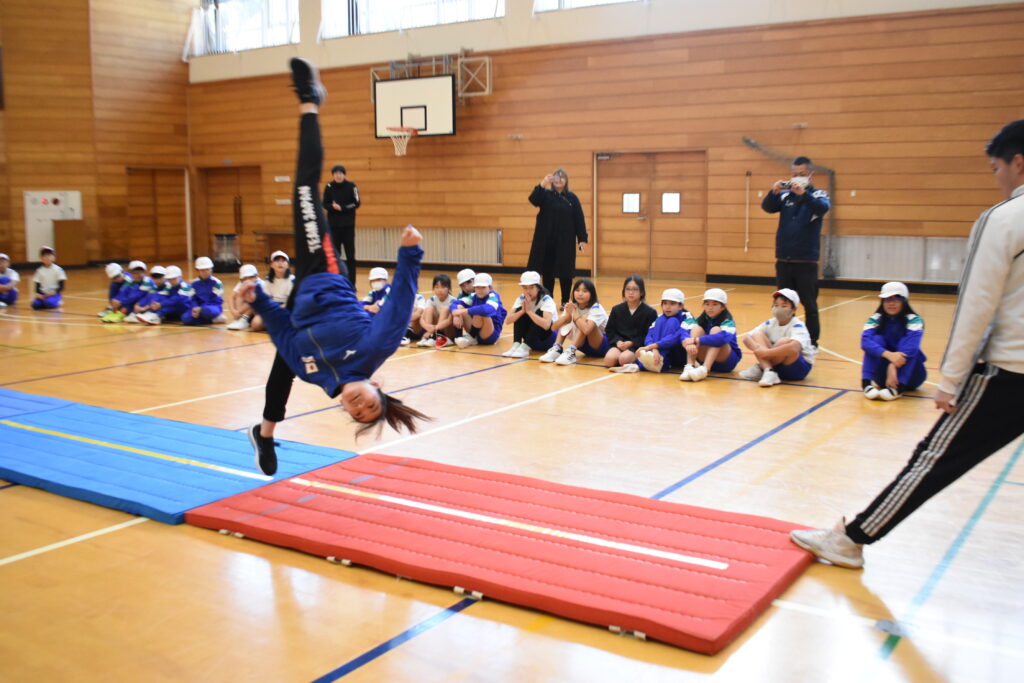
{"x": 240, "y": 324}
{"x": 405, "y": 341}
{"x": 770, "y": 378}
{"x": 698, "y": 373}
{"x": 220, "y": 319}
{"x": 465, "y": 341}
{"x": 685, "y": 375}
{"x": 522, "y": 352}
{"x": 150, "y": 318}
{"x": 568, "y": 357}
{"x": 512, "y": 349}
{"x": 888, "y": 394}
{"x": 832, "y": 545}
{"x": 426, "y": 341}
{"x": 552, "y": 354}
{"x": 131, "y": 318}
{"x": 871, "y": 392}
{"x": 754, "y": 373}
{"x": 103, "y": 312}
{"x": 628, "y": 367}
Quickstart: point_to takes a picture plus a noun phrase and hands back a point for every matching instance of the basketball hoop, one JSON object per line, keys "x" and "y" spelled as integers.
{"x": 401, "y": 136}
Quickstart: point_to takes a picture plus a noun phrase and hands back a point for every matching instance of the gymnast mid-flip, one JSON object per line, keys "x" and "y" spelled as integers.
{"x": 327, "y": 338}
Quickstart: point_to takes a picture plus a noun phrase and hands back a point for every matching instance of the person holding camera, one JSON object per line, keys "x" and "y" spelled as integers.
{"x": 560, "y": 225}
{"x": 801, "y": 208}
{"x": 341, "y": 199}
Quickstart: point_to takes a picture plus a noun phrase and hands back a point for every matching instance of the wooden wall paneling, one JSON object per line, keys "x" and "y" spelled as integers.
{"x": 142, "y": 215}
{"x": 170, "y": 215}
{"x": 900, "y": 106}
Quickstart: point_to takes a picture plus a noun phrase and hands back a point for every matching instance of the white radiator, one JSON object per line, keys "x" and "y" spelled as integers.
{"x": 457, "y": 246}
{"x": 907, "y": 259}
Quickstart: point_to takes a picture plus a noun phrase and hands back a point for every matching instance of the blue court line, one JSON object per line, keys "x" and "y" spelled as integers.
{"x": 726, "y": 458}
{"x": 940, "y": 569}
{"x": 128, "y": 365}
{"x": 386, "y": 647}
{"x": 1015, "y": 483}
{"x": 396, "y": 391}
{"x": 7, "y": 486}
{"x": 370, "y": 655}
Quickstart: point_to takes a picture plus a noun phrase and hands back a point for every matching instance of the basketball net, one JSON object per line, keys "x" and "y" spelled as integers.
{"x": 400, "y": 137}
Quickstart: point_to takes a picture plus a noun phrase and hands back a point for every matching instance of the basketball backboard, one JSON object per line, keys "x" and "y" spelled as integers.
{"x": 426, "y": 104}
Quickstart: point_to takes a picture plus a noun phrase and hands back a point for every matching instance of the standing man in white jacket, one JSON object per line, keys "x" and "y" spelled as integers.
{"x": 982, "y": 370}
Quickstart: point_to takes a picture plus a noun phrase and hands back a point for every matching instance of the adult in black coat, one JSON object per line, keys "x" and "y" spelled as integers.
{"x": 341, "y": 199}
{"x": 560, "y": 225}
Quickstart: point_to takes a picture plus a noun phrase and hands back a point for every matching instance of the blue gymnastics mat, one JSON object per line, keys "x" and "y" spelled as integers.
{"x": 140, "y": 464}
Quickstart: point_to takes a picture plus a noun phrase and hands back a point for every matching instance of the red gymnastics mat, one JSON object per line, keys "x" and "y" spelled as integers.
{"x": 685, "y": 575}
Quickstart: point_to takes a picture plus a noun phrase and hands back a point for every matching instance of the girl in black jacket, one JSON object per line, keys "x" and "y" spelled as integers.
{"x": 629, "y": 321}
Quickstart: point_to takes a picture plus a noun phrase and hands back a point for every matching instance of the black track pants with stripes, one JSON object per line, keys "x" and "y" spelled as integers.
{"x": 987, "y": 417}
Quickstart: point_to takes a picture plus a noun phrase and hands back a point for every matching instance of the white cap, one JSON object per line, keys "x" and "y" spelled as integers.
{"x": 716, "y": 294}
{"x": 789, "y": 294}
{"x": 894, "y": 289}
{"x": 281, "y": 254}
{"x": 248, "y": 270}
{"x": 378, "y": 273}
{"x": 465, "y": 274}
{"x": 5, "y": 257}
{"x": 673, "y": 294}
{"x": 172, "y": 271}
{"x": 136, "y": 265}
{"x": 158, "y": 270}
{"x": 530, "y": 277}
{"x": 113, "y": 270}
{"x": 204, "y": 263}
{"x": 483, "y": 280}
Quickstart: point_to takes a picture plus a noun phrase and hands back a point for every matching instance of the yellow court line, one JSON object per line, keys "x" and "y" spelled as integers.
{"x": 161, "y": 456}
{"x": 520, "y": 526}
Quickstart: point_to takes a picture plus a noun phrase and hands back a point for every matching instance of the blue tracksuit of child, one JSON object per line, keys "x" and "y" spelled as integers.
{"x": 489, "y": 306}
{"x": 10, "y": 296}
{"x": 173, "y": 300}
{"x": 132, "y": 292}
{"x": 115, "y": 287}
{"x": 149, "y": 297}
{"x": 725, "y": 336}
{"x": 874, "y": 341}
{"x": 667, "y": 333}
{"x": 379, "y": 296}
{"x": 208, "y": 295}
{"x": 328, "y": 339}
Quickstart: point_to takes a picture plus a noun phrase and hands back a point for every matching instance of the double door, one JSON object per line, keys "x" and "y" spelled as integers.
{"x": 652, "y": 215}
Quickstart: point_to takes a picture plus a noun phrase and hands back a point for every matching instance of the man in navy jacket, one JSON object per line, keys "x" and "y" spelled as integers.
{"x": 801, "y": 208}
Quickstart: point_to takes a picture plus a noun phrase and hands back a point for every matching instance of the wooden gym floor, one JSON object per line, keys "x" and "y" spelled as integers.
{"x": 142, "y": 601}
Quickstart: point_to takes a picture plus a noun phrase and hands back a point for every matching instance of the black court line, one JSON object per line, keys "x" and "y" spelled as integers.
{"x": 7, "y": 486}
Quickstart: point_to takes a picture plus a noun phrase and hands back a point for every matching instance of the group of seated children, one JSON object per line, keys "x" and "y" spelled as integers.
{"x": 162, "y": 295}
{"x": 634, "y": 337}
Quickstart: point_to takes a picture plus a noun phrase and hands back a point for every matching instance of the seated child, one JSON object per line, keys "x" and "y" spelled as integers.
{"x": 169, "y": 300}
{"x": 379, "y": 291}
{"x": 479, "y": 316}
{"x": 533, "y": 316}
{"x": 117, "y": 276}
{"x": 437, "y": 307}
{"x": 891, "y": 340}
{"x": 712, "y": 345}
{"x": 49, "y": 280}
{"x": 663, "y": 345}
{"x": 240, "y": 309}
{"x": 628, "y": 321}
{"x": 206, "y": 295}
{"x": 781, "y": 344}
{"x": 136, "y": 286}
{"x": 144, "y": 305}
{"x": 580, "y": 327}
{"x": 279, "y": 281}
{"x": 465, "y": 279}
{"x": 9, "y": 280}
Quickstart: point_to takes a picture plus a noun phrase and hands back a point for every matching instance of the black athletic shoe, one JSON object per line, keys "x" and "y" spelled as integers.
{"x": 263, "y": 450}
{"x": 306, "y": 81}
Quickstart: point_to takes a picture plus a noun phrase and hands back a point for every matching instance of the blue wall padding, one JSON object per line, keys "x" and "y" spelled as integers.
{"x": 140, "y": 484}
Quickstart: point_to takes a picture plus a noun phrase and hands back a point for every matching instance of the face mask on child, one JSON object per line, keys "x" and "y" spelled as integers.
{"x": 377, "y": 285}
{"x": 782, "y": 314}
